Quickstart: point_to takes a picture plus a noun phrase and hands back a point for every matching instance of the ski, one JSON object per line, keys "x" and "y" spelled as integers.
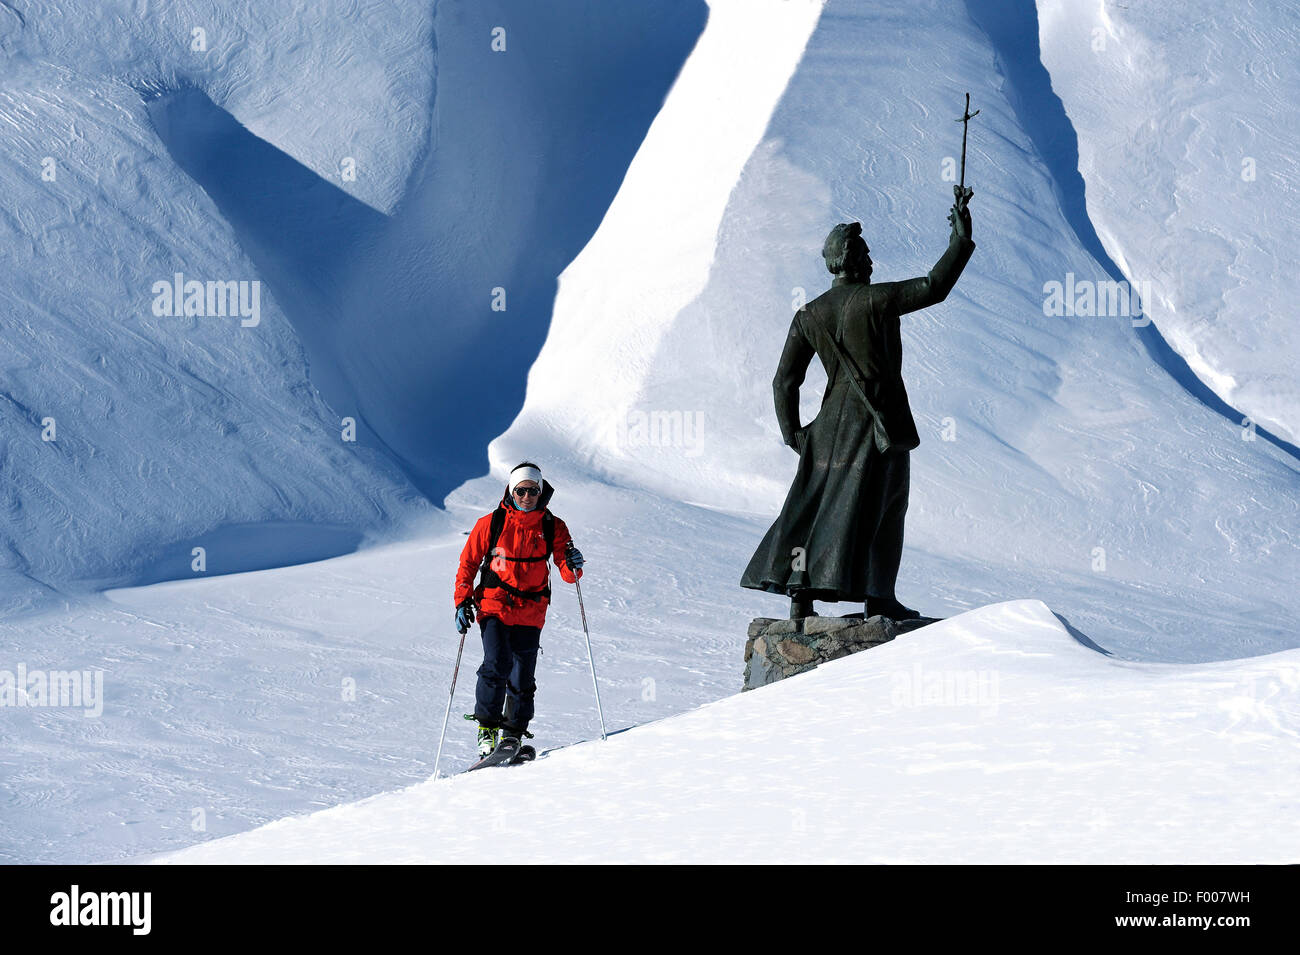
{"x": 505, "y": 753}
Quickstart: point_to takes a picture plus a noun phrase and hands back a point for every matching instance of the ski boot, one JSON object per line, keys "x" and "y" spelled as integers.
{"x": 488, "y": 738}
{"x": 526, "y": 753}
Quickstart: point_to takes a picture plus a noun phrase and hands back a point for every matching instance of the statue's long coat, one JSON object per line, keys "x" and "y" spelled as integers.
{"x": 830, "y": 513}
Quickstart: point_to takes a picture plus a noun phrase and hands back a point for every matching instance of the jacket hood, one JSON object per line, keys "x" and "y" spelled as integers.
{"x": 542, "y": 500}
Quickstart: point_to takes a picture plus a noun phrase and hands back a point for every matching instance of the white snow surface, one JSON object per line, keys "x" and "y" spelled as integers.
{"x": 992, "y": 737}
{"x": 1191, "y": 153}
{"x": 1081, "y": 479}
{"x": 321, "y": 80}
{"x": 168, "y": 427}
{"x": 1079, "y": 471}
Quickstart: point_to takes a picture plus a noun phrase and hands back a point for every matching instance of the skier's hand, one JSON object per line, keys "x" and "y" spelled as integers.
{"x": 573, "y": 557}
{"x": 959, "y": 215}
{"x": 464, "y": 616}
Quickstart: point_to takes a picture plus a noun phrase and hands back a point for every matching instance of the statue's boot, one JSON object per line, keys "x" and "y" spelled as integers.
{"x": 889, "y": 607}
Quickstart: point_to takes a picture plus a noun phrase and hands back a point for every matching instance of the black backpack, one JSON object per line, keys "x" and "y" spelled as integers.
{"x": 489, "y": 578}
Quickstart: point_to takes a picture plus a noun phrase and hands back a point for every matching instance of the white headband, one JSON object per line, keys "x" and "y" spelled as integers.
{"x": 524, "y": 473}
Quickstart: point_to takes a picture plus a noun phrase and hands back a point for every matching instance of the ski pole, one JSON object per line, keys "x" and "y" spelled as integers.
{"x": 447, "y": 715}
{"x": 591, "y": 658}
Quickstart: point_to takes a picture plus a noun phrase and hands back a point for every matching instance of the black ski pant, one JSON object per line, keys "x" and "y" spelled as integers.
{"x": 504, "y": 696}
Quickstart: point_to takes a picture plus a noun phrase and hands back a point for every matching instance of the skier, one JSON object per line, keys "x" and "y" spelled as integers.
{"x": 519, "y": 536}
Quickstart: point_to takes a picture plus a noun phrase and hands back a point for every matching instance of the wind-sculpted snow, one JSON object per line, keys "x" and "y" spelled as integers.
{"x": 248, "y": 697}
{"x": 1059, "y": 462}
{"x": 325, "y": 80}
{"x": 992, "y": 737}
{"x": 131, "y": 433}
{"x": 1057, "y": 458}
{"x": 371, "y": 216}
{"x": 1191, "y": 153}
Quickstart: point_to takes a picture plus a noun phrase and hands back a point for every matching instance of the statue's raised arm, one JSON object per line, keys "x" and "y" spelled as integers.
{"x": 914, "y": 294}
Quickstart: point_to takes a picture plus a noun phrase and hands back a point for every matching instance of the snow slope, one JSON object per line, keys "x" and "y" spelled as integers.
{"x": 199, "y": 139}
{"x": 250, "y": 697}
{"x": 172, "y": 432}
{"x": 1079, "y": 470}
{"x": 226, "y": 694}
{"x": 992, "y": 737}
{"x": 1082, "y": 475}
{"x": 361, "y": 86}
{"x": 1189, "y": 147}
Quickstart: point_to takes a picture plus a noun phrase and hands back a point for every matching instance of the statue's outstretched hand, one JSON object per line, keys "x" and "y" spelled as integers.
{"x": 959, "y": 215}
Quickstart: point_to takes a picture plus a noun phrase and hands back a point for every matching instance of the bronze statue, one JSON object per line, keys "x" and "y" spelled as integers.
{"x": 840, "y": 532}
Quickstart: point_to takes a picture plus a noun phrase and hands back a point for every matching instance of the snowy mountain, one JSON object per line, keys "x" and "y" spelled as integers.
{"x": 1189, "y": 164}
{"x": 1080, "y": 470}
{"x": 380, "y": 241}
{"x": 1134, "y": 541}
{"x": 131, "y": 436}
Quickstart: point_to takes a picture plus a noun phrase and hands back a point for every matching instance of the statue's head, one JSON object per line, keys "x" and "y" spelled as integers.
{"x": 846, "y": 252}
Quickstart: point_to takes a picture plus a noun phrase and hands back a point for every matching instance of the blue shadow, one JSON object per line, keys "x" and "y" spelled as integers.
{"x": 527, "y": 149}
{"x": 1012, "y": 29}
{"x": 237, "y": 548}
{"x": 1081, "y": 637}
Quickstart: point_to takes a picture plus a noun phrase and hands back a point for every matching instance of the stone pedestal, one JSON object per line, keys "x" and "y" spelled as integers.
{"x": 778, "y": 648}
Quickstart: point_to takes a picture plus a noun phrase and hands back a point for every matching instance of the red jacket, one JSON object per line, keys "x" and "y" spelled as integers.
{"x": 521, "y": 536}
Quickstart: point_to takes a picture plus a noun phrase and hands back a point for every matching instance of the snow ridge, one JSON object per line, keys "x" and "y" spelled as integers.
{"x": 966, "y": 743}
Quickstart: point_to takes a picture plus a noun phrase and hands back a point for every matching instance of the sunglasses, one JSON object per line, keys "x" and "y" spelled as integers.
{"x": 527, "y": 491}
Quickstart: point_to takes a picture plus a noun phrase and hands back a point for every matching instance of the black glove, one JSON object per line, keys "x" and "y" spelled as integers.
{"x": 573, "y": 557}
{"x": 464, "y": 615}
